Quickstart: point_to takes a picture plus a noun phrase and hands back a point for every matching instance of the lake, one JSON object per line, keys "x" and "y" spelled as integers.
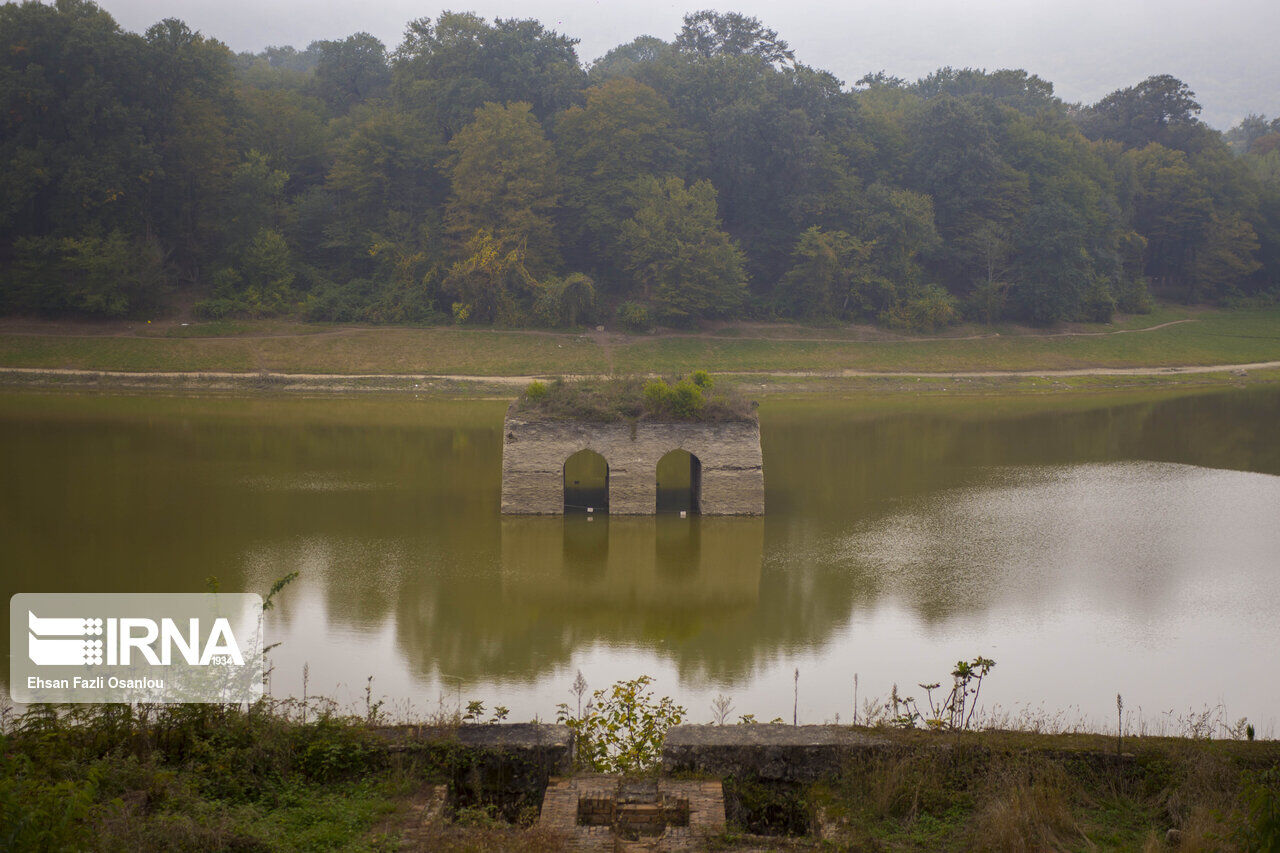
{"x": 1091, "y": 544}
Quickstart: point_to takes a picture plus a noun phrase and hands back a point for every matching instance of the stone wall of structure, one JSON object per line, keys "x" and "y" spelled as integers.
{"x": 534, "y": 452}
{"x": 765, "y": 751}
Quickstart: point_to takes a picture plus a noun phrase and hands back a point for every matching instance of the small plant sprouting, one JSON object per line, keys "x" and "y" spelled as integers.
{"x": 371, "y": 708}
{"x": 1249, "y": 732}
{"x": 955, "y": 712}
{"x": 579, "y": 687}
{"x": 500, "y": 713}
{"x": 1119, "y": 724}
{"x": 475, "y": 710}
{"x": 721, "y": 707}
{"x": 795, "y": 708}
{"x": 270, "y": 600}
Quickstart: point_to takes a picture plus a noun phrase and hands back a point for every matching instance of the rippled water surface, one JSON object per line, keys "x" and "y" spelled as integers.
{"x": 1089, "y": 544}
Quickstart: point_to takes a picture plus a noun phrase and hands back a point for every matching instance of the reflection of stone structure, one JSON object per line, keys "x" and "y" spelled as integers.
{"x": 616, "y": 574}
{"x": 534, "y": 452}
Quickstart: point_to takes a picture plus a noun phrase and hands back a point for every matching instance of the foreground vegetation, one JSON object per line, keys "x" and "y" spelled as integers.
{"x": 1183, "y": 338}
{"x": 195, "y": 778}
{"x": 480, "y": 174}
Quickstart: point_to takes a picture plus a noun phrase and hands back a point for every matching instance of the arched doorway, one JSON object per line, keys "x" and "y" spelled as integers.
{"x": 679, "y": 482}
{"x": 586, "y": 483}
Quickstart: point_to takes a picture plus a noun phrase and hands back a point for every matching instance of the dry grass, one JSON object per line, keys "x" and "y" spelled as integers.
{"x": 1026, "y": 808}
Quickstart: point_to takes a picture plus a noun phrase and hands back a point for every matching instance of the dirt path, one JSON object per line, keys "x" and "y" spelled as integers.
{"x": 353, "y": 380}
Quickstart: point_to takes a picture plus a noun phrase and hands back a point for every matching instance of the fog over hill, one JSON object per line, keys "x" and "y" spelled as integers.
{"x": 1224, "y": 50}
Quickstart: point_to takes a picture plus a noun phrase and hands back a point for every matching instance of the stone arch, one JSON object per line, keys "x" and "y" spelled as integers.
{"x": 586, "y": 482}
{"x": 679, "y": 482}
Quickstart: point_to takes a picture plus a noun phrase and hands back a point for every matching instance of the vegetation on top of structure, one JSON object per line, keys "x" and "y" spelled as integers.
{"x": 695, "y": 397}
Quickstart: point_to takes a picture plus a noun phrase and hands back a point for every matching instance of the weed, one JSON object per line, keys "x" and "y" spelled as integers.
{"x": 621, "y": 730}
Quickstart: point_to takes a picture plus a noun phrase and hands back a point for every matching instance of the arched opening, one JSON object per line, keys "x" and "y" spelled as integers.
{"x": 679, "y": 482}
{"x": 586, "y": 483}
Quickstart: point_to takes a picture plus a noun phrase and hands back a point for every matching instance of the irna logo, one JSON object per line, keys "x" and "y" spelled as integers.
{"x": 91, "y": 641}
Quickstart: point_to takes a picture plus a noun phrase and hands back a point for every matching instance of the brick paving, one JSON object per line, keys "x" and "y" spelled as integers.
{"x": 612, "y": 813}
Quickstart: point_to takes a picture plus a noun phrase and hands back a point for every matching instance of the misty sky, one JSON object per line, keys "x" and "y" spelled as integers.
{"x": 1225, "y": 50}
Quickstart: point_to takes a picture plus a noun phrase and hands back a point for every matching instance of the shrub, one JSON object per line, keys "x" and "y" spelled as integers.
{"x": 622, "y": 729}
{"x": 566, "y": 302}
{"x": 634, "y": 317}
{"x": 536, "y": 390}
{"x": 702, "y": 379}
{"x": 1133, "y": 297}
{"x": 1098, "y": 304}
{"x": 629, "y": 399}
{"x": 930, "y": 310}
{"x": 683, "y": 401}
{"x": 687, "y": 401}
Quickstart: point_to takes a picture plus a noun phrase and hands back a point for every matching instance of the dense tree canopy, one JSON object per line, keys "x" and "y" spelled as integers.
{"x": 478, "y": 173}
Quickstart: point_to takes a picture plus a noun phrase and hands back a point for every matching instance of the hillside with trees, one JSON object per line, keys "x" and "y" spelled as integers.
{"x": 478, "y": 173}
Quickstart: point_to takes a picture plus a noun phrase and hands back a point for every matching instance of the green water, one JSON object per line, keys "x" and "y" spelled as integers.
{"x": 1089, "y": 544}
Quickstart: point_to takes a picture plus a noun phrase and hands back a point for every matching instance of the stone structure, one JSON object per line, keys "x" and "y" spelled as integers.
{"x": 534, "y": 451}
{"x": 765, "y": 751}
{"x": 608, "y": 813}
{"x": 505, "y": 764}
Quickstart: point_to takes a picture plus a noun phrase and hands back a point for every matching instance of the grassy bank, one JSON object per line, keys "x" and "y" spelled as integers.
{"x": 204, "y": 778}
{"x": 1170, "y": 337}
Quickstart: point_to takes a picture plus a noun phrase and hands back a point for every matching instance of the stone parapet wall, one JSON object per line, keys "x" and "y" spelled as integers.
{"x": 534, "y": 452}
{"x": 765, "y": 751}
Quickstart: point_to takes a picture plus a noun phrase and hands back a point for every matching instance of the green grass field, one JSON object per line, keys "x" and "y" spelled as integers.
{"x": 1208, "y": 337}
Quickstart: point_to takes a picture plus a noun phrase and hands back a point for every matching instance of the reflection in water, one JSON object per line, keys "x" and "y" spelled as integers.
{"x": 1088, "y": 544}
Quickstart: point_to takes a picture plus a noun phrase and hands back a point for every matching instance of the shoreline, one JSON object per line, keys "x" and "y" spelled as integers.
{"x": 778, "y": 381}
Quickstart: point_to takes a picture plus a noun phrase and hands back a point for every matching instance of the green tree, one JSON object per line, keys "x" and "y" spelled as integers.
{"x": 351, "y": 71}
{"x": 490, "y": 282}
{"x": 829, "y": 268}
{"x": 625, "y": 131}
{"x": 504, "y": 179}
{"x": 1160, "y": 109}
{"x": 709, "y": 33}
{"x": 679, "y": 258}
{"x": 450, "y": 67}
{"x": 567, "y": 301}
{"x": 1172, "y": 211}
{"x": 976, "y": 192}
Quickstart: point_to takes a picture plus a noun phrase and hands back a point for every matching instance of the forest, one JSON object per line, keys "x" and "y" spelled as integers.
{"x": 480, "y": 173}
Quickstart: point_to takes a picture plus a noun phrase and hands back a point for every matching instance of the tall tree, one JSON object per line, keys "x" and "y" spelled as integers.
{"x": 350, "y": 71}
{"x": 449, "y": 67}
{"x": 626, "y": 131}
{"x": 680, "y": 259}
{"x": 504, "y": 179}
{"x": 1160, "y": 109}
{"x": 709, "y": 33}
